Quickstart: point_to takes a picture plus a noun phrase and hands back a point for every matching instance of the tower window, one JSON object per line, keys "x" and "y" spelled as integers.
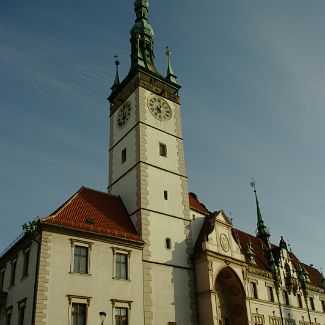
{"x": 254, "y": 290}
{"x": 165, "y": 195}
{"x": 286, "y": 297}
{"x": 312, "y": 305}
{"x": 168, "y": 243}
{"x": 162, "y": 150}
{"x": 123, "y": 155}
{"x": 270, "y": 293}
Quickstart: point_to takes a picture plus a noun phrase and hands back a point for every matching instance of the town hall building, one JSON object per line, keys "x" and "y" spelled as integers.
{"x": 148, "y": 252}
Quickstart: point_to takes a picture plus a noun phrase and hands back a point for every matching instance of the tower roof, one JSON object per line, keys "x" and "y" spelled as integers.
{"x": 142, "y": 38}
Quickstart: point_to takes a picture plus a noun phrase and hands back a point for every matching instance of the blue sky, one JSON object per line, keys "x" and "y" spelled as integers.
{"x": 253, "y": 78}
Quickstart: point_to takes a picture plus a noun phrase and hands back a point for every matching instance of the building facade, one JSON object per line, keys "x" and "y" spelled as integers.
{"x": 148, "y": 252}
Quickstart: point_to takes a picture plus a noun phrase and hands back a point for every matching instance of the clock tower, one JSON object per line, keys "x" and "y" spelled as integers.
{"x": 147, "y": 170}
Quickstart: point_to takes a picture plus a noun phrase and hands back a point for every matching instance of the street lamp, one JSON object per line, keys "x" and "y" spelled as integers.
{"x": 102, "y": 316}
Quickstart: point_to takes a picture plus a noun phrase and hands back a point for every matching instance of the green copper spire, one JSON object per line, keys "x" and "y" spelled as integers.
{"x": 170, "y": 73}
{"x": 117, "y": 79}
{"x": 262, "y": 231}
{"x": 142, "y": 38}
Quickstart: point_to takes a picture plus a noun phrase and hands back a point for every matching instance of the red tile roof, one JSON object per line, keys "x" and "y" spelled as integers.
{"x": 195, "y": 204}
{"x": 94, "y": 211}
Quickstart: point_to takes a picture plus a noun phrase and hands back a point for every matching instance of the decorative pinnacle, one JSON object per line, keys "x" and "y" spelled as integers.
{"x": 262, "y": 230}
{"x": 170, "y": 73}
{"x": 117, "y": 79}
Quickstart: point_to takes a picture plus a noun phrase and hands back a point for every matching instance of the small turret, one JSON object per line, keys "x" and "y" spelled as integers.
{"x": 116, "y": 82}
{"x": 170, "y": 73}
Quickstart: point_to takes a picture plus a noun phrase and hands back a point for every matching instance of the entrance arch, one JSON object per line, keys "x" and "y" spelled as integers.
{"x": 231, "y": 299}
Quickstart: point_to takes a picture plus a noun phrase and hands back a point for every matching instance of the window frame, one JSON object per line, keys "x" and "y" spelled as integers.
{"x": 119, "y": 304}
{"x": 312, "y": 303}
{"x": 253, "y": 289}
{"x": 21, "y": 311}
{"x": 2, "y": 278}
{"x": 300, "y": 302}
{"x": 26, "y": 262}
{"x": 162, "y": 150}
{"x": 286, "y": 299}
{"x": 13, "y": 271}
{"x": 123, "y": 156}
{"x": 80, "y": 300}
{"x": 8, "y": 313}
{"x": 270, "y": 293}
{"x": 127, "y": 253}
{"x": 80, "y": 243}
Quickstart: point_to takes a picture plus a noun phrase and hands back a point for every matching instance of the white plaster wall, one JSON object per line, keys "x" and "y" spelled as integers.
{"x": 99, "y": 284}
{"x": 126, "y": 188}
{"x": 159, "y": 181}
{"x": 160, "y": 228}
{"x": 154, "y": 137}
{"x": 129, "y": 143}
{"x": 171, "y": 295}
{"x": 23, "y": 288}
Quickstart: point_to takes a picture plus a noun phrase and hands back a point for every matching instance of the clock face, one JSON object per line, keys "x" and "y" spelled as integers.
{"x": 159, "y": 108}
{"x": 124, "y": 114}
{"x": 224, "y": 242}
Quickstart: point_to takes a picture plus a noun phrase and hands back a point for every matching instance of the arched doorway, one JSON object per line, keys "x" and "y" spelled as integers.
{"x": 231, "y": 301}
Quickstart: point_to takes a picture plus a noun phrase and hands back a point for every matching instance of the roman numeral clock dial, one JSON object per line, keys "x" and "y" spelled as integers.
{"x": 159, "y": 108}
{"x": 124, "y": 115}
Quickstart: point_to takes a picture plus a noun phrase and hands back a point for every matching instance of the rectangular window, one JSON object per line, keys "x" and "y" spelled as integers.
{"x": 123, "y": 155}
{"x": 8, "y": 315}
{"x": 80, "y": 259}
{"x": 165, "y": 195}
{"x": 270, "y": 293}
{"x": 162, "y": 150}
{"x": 121, "y": 266}
{"x": 21, "y": 312}
{"x": 323, "y": 305}
{"x": 121, "y": 316}
{"x": 299, "y": 300}
{"x": 254, "y": 290}
{"x": 312, "y": 305}
{"x": 26, "y": 262}
{"x": 13, "y": 272}
{"x": 2, "y": 279}
{"x": 286, "y": 297}
{"x": 79, "y": 314}
{"x": 168, "y": 243}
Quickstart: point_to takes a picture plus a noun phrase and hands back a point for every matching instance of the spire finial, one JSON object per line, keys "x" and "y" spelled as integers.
{"x": 170, "y": 73}
{"x": 117, "y": 79}
{"x": 262, "y": 231}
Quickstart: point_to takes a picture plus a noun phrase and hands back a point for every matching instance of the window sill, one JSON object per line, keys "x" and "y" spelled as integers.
{"x": 120, "y": 279}
{"x": 83, "y": 274}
